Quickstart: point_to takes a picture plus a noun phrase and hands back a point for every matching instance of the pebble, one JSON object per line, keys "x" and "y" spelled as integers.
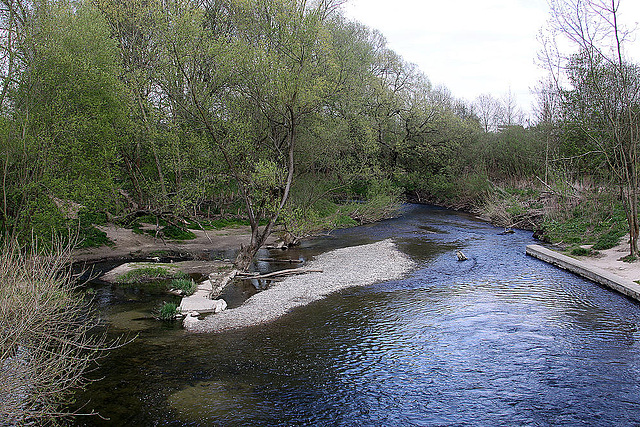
{"x": 342, "y": 268}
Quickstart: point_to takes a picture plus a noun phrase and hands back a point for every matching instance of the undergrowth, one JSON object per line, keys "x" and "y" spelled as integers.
{"x": 187, "y": 285}
{"x": 168, "y": 311}
{"x": 593, "y": 218}
{"x": 148, "y": 274}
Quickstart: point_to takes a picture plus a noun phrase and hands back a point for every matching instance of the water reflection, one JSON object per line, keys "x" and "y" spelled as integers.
{"x": 501, "y": 339}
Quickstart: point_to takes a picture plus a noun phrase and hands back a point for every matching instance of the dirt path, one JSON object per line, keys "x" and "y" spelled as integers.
{"x": 609, "y": 260}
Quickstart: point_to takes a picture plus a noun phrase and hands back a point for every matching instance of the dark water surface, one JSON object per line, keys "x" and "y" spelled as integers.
{"x": 500, "y": 339}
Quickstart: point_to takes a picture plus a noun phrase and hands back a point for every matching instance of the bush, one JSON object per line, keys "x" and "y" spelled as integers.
{"x": 93, "y": 238}
{"x": 172, "y": 232}
{"x": 47, "y": 337}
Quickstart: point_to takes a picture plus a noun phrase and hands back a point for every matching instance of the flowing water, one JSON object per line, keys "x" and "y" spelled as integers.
{"x": 500, "y": 339}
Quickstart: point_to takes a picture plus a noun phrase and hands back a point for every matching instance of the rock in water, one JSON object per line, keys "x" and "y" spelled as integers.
{"x": 461, "y": 256}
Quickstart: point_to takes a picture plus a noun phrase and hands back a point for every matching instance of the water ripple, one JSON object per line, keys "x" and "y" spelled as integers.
{"x": 502, "y": 339}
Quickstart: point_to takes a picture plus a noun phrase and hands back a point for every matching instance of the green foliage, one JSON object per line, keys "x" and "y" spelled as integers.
{"x": 148, "y": 274}
{"x": 219, "y": 224}
{"x": 88, "y": 218}
{"x": 91, "y": 237}
{"x": 308, "y": 216}
{"x": 597, "y": 219}
{"x": 609, "y": 239}
{"x": 579, "y": 251}
{"x": 151, "y": 219}
{"x": 185, "y": 284}
{"x": 173, "y": 232}
{"x": 168, "y": 311}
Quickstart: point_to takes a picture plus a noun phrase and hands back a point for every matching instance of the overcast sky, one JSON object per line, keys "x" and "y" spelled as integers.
{"x": 470, "y": 46}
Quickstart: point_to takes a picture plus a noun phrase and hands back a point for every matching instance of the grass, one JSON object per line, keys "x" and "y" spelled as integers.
{"x": 325, "y": 214}
{"x": 148, "y": 274}
{"x": 168, "y": 311}
{"x": 91, "y": 237}
{"x": 609, "y": 240}
{"x": 596, "y": 219}
{"x": 172, "y": 232}
{"x": 188, "y": 286}
{"x": 581, "y": 251}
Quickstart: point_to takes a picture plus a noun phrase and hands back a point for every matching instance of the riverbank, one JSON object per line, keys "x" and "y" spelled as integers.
{"x": 342, "y": 268}
{"x": 611, "y": 260}
{"x": 606, "y": 267}
{"x": 128, "y": 245}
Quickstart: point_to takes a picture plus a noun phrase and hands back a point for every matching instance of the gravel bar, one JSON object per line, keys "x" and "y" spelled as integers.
{"x": 342, "y": 268}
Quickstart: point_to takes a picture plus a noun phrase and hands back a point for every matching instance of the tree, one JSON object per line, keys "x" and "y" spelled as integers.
{"x": 490, "y": 111}
{"x": 67, "y": 118}
{"x": 604, "y": 96}
{"x": 251, "y": 84}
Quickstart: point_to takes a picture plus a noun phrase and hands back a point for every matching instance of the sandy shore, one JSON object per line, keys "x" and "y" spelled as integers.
{"x": 342, "y": 268}
{"x": 609, "y": 260}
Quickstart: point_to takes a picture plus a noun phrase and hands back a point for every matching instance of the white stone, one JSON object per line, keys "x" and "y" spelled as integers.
{"x": 221, "y": 305}
{"x": 206, "y": 285}
{"x": 189, "y": 322}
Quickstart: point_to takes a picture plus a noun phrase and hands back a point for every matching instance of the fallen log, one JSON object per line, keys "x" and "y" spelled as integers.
{"x": 282, "y": 261}
{"x": 289, "y": 272}
{"x": 217, "y": 288}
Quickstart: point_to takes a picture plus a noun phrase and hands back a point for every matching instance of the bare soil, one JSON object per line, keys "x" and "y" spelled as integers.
{"x": 129, "y": 245}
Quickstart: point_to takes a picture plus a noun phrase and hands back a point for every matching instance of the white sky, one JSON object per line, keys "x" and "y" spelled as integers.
{"x": 470, "y": 46}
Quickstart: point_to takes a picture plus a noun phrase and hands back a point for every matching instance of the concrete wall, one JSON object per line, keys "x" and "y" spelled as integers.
{"x": 595, "y": 274}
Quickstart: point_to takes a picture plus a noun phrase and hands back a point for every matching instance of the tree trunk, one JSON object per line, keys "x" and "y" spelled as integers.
{"x": 245, "y": 257}
{"x": 633, "y": 223}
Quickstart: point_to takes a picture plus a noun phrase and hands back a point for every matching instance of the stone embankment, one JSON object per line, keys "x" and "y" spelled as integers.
{"x": 341, "y": 268}
{"x": 623, "y": 285}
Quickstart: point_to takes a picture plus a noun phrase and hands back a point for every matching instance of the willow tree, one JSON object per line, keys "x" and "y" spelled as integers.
{"x": 250, "y": 72}
{"x": 603, "y": 99}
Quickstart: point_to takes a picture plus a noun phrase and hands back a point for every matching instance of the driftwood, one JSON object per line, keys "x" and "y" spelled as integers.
{"x": 289, "y": 272}
{"x": 282, "y": 261}
{"x": 217, "y": 288}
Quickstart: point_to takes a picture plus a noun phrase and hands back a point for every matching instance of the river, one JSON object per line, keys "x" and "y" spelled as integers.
{"x": 500, "y": 339}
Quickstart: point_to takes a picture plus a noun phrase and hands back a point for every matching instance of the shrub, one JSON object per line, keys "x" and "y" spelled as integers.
{"x": 47, "y": 336}
{"x": 93, "y": 238}
{"x": 172, "y": 232}
{"x": 168, "y": 311}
